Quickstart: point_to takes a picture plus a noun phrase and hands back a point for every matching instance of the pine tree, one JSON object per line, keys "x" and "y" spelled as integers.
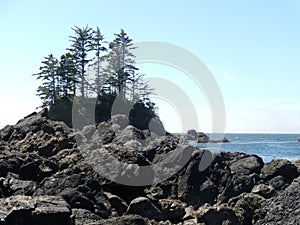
{"x": 121, "y": 62}
{"x": 68, "y": 75}
{"x": 81, "y": 45}
{"x": 48, "y": 74}
{"x": 139, "y": 88}
{"x": 97, "y": 44}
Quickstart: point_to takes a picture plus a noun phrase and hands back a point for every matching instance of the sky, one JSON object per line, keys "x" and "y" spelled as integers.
{"x": 252, "y": 49}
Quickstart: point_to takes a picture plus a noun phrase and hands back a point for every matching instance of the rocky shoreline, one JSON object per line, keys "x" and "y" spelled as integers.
{"x": 45, "y": 179}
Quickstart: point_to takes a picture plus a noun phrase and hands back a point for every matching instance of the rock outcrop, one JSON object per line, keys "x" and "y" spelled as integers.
{"x": 46, "y": 210}
{"x": 201, "y": 137}
{"x": 49, "y": 174}
{"x": 283, "y": 208}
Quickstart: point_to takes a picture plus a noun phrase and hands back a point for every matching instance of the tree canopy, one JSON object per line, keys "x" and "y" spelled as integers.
{"x": 97, "y": 69}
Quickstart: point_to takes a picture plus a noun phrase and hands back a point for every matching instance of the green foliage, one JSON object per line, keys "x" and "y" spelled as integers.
{"x": 61, "y": 80}
{"x": 98, "y": 48}
{"x": 48, "y": 74}
{"x": 68, "y": 75}
{"x": 121, "y": 62}
{"x": 81, "y": 45}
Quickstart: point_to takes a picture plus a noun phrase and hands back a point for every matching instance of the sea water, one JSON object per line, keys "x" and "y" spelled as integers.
{"x": 267, "y": 146}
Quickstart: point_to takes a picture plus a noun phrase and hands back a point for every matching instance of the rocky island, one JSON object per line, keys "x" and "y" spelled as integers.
{"x": 45, "y": 179}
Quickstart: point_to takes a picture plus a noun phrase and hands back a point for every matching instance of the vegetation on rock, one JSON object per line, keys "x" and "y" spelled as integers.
{"x": 80, "y": 76}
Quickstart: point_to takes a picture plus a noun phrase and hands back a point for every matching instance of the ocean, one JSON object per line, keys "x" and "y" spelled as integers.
{"x": 267, "y": 146}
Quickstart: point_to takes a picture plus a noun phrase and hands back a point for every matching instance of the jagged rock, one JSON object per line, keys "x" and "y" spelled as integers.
{"x": 124, "y": 220}
{"x": 194, "y": 187}
{"x": 203, "y": 138}
{"x": 117, "y": 203}
{"x": 105, "y": 133}
{"x": 172, "y": 209}
{"x": 279, "y": 168}
{"x": 79, "y": 190}
{"x": 247, "y": 165}
{"x": 297, "y": 164}
{"x": 189, "y": 214}
{"x": 13, "y": 185}
{"x": 42, "y": 157}
{"x": 10, "y": 163}
{"x": 84, "y": 217}
{"x": 121, "y": 120}
{"x": 283, "y": 208}
{"x": 27, "y": 210}
{"x": 217, "y": 215}
{"x": 128, "y": 134}
{"x": 36, "y": 168}
{"x": 144, "y": 207}
{"x": 192, "y": 134}
{"x": 6, "y": 132}
{"x": 278, "y": 183}
{"x": 31, "y": 123}
{"x": 266, "y": 191}
{"x": 246, "y": 205}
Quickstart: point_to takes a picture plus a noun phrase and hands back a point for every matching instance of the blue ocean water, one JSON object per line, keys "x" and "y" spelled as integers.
{"x": 267, "y": 146}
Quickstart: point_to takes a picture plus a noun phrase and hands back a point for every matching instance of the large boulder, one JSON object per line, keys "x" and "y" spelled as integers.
{"x": 217, "y": 215}
{"x": 194, "y": 185}
{"x": 84, "y": 217}
{"x": 247, "y": 165}
{"x": 280, "y": 167}
{"x": 27, "y": 210}
{"x": 246, "y": 207}
{"x": 80, "y": 190}
{"x": 118, "y": 204}
{"x": 144, "y": 207}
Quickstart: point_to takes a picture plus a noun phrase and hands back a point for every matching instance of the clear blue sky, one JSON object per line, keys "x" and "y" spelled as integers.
{"x": 252, "y": 48}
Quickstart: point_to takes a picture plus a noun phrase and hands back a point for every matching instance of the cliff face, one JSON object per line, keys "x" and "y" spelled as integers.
{"x": 45, "y": 175}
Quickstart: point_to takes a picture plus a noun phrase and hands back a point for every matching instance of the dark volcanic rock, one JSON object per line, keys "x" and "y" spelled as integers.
{"x": 25, "y": 210}
{"x": 172, "y": 210}
{"x": 217, "y": 215}
{"x": 124, "y": 220}
{"x": 84, "y": 216}
{"x": 40, "y": 158}
{"x": 284, "y": 208}
{"x": 144, "y": 207}
{"x": 266, "y": 191}
{"x": 13, "y": 185}
{"x": 192, "y": 134}
{"x": 79, "y": 190}
{"x": 246, "y": 165}
{"x": 118, "y": 204}
{"x": 246, "y": 206}
{"x": 279, "y": 168}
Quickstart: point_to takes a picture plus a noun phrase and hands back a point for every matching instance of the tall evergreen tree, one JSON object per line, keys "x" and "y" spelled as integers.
{"x": 68, "y": 75}
{"x": 81, "y": 45}
{"x": 139, "y": 88}
{"x": 48, "y": 74}
{"x": 97, "y": 44}
{"x": 121, "y": 62}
